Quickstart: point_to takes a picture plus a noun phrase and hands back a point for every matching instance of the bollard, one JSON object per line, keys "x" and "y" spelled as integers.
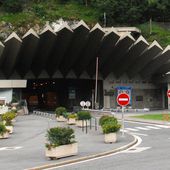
{"x": 95, "y": 124}
{"x": 86, "y": 126}
{"x": 83, "y": 125}
{"x": 90, "y": 123}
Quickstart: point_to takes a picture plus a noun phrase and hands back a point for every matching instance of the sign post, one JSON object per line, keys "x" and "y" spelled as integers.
{"x": 123, "y": 100}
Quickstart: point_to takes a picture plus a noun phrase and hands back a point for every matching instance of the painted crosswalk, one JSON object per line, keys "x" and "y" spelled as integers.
{"x": 146, "y": 128}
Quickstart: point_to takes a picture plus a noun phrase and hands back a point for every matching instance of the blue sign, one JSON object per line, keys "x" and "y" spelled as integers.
{"x": 125, "y": 89}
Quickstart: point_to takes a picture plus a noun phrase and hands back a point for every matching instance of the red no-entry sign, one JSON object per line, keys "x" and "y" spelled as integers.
{"x": 168, "y": 93}
{"x": 123, "y": 99}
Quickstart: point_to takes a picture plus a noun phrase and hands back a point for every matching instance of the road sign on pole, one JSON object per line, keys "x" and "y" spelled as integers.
{"x": 123, "y": 100}
{"x": 168, "y": 93}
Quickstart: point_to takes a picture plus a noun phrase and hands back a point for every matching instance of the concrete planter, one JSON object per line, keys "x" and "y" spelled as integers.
{"x": 82, "y": 123}
{"x": 62, "y": 151}
{"x": 61, "y": 119}
{"x": 10, "y": 128}
{"x": 110, "y": 138}
{"x": 71, "y": 121}
{"x": 4, "y": 136}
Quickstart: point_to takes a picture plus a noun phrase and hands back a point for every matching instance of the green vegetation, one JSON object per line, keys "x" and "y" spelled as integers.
{"x": 2, "y": 129}
{"x": 8, "y": 117}
{"x": 105, "y": 119}
{"x": 60, "y": 111}
{"x": 151, "y": 116}
{"x": 59, "y": 136}
{"x": 110, "y": 127}
{"x": 24, "y": 14}
{"x": 159, "y": 33}
{"x": 83, "y": 115}
{"x": 72, "y": 116}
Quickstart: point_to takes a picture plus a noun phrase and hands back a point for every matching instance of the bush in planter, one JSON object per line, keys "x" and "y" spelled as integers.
{"x": 3, "y": 129}
{"x": 72, "y": 116}
{"x": 59, "y": 136}
{"x": 8, "y": 117}
{"x": 83, "y": 115}
{"x": 111, "y": 127}
{"x": 60, "y": 111}
{"x": 105, "y": 119}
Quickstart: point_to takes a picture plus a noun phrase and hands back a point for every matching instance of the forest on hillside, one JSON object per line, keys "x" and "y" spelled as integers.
{"x": 117, "y": 11}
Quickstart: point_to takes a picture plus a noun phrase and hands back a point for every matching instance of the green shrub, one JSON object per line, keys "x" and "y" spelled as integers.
{"x": 2, "y": 129}
{"x": 60, "y": 111}
{"x": 8, "y": 117}
{"x": 110, "y": 127}
{"x": 83, "y": 115}
{"x": 72, "y": 116}
{"x": 13, "y": 6}
{"x": 59, "y": 136}
{"x": 39, "y": 10}
{"x": 104, "y": 119}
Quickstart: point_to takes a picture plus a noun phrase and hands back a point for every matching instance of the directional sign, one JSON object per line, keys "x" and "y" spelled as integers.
{"x": 123, "y": 99}
{"x": 168, "y": 93}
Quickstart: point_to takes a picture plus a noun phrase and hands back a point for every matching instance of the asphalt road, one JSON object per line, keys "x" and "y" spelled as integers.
{"x": 152, "y": 154}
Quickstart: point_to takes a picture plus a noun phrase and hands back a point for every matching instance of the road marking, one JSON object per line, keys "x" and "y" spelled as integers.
{"x": 142, "y": 128}
{"x": 140, "y": 134}
{"x": 10, "y": 148}
{"x": 163, "y": 126}
{"x": 153, "y": 127}
{"x": 137, "y": 150}
{"x": 138, "y": 143}
{"x": 131, "y": 129}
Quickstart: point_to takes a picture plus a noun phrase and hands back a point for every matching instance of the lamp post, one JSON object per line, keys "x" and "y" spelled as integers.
{"x": 96, "y": 84}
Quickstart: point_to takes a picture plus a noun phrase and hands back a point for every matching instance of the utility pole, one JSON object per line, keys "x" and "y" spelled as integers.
{"x": 150, "y": 25}
{"x": 104, "y": 17}
{"x": 96, "y": 84}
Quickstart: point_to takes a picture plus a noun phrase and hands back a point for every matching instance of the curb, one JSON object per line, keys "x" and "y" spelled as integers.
{"x": 87, "y": 157}
{"x": 142, "y": 121}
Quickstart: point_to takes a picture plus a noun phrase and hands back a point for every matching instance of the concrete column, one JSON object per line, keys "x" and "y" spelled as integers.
{"x": 106, "y": 101}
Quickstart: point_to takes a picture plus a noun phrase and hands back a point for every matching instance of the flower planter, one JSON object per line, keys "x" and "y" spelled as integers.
{"x": 61, "y": 119}
{"x": 82, "y": 123}
{"x": 62, "y": 151}
{"x": 71, "y": 121}
{"x": 4, "y": 136}
{"x": 10, "y": 128}
{"x": 110, "y": 138}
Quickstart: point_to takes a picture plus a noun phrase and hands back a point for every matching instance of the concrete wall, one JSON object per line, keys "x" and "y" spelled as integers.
{"x": 152, "y": 94}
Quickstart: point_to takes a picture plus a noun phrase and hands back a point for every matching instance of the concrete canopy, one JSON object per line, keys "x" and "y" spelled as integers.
{"x": 71, "y": 51}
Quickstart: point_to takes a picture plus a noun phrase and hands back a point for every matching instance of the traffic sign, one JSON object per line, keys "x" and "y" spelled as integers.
{"x": 123, "y": 99}
{"x": 168, "y": 93}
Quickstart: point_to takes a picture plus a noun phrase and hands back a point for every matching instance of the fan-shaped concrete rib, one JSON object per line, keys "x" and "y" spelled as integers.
{"x": 64, "y": 36}
{"x": 124, "y": 43}
{"x": 108, "y": 43}
{"x": 144, "y": 59}
{"x": 10, "y": 53}
{"x": 90, "y": 50}
{"x": 79, "y": 39}
{"x": 156, "y": 63}
{"x": 132, "y": 55}
{"x": 46, "y": 43}
{"x": 27, "y": 52}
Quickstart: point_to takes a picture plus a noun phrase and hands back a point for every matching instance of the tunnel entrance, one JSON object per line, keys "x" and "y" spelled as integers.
{"x": 48, "y": 94}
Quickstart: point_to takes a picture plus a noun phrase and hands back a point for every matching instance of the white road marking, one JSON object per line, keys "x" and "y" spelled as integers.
{"x": 138, "y": 143}
{"x": 142, "y": 128}
{"x": 163, "y": 126}
{"x": 124, "y": 130}
{"x": 10, "y": 148}
{"x": 137, "y": 150}
{"x": 131, "y": 129}
{"x": 153, "y": 127}
{"x": 140, "y": 134}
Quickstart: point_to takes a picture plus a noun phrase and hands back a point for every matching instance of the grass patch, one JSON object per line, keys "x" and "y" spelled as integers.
{"x": 152, "y": 116}
{"x": 159, "y": 33}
